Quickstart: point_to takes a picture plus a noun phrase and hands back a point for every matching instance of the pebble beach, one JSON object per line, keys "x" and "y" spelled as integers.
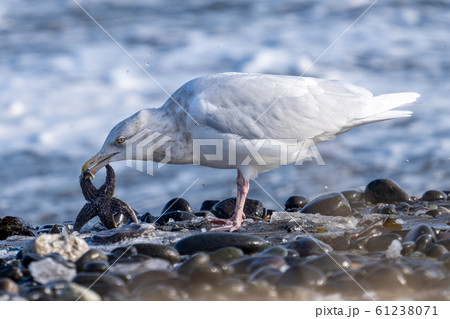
{"x": 374, "y": 244}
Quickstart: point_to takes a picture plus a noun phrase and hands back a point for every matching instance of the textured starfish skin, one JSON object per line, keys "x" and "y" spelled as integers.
{"x": 101, "y": 203}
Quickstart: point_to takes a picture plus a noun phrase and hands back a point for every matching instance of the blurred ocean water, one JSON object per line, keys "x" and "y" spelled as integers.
{"x": 64, "y": 84}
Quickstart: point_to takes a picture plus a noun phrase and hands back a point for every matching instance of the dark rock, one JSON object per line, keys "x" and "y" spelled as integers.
{"x": 208, "y": 273}
{"x": 385, "y": 191}
{"x": 416, "y": 232}
{"x": 308, "y": 246}
{"x": 265, "y": 261}
{"x": 275, "y": 251}
{"x": 11, "y": 272}
{"x": 213, "y": 241}
{"x": 195, "y": 261}
{"x": 302, "y": 275}
{"x": 149, "y": 278}
{"x": 122, "y": 253}
{"x": 436, "y": 250}
{"x": 387, "y": 210}
{"x": 341, "y": 243}
{"x": 269, "y": 273}
{"x": 177, "y": 204}
{"x": 226, "y": 255}
{"x": 8, "y": 285}
{"x": 423, "y": 242}
{"x": 444, "y": 242}
{"x": 408, "y": 247}
{"x": 10, "y": 226}
{"x": 386, "y": 277}
{"x": 99, "y": 282}
{"x": 295, "y": 202}
{"x": 89, "y": 256}
{"x": 177, "y": 216}
{"x": 161, "y": 293}
{"x": 208, "y": 204}
{"x": 435, "y": 212}
{"x": 355, "y": 198}
{"x": 147, "y": 218}
{"x": 445, "y": 258}
{"x": 382, "y": 242}
{"x": 50, "y": 229}
{"x": 329, "y": 262}
{"x": 334, "y": 204}
{"x": 158, "y": 251}
{"x": 96, "y": 266}
{"x": 225, "y": 208}
{"x": 433, "y": 195}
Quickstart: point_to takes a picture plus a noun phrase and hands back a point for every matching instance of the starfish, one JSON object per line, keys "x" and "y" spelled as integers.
{"x": 100, "y": 202}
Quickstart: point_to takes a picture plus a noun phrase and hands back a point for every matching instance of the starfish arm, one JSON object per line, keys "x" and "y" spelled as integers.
{"x": 86, "y": 214}
{"x": 123, "y": 208}
{"x": 88, "y": 189}
{"x": 106, "y": 216}
{"x": 108, "y": 188}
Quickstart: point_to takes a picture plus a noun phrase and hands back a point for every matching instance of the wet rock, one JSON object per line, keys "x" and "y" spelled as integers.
{"x": 9, "y": 286}
{"x": 416, "y": 232}
{"x": 355, "y": 198}
{"x": 387, "y": 210}
{"x": 158, "y": 251}
{"x": 195, "y": 261}
{"x": 423, "y": 242}
{"x": 341, "y": 243}
{"x": 385, "y": 191}
{"x": 334, "y": 204}
{"x": 123, "y": 233}
{"x": 149, "y": 278}
{"x": 435, "y": 212}
{"x": 444, "y": 242}
{"x": 275, "y": 251}
{"x": 213, "y": 241}
{"x": 386, "y": 277}
{"x": 48, "y": 270}
{"x": 295, "y": 202}
{"x": 11, "y": 272}
{"x": 177, "y": 204}
{"x": 302, "y": 275}
{"x": 10, "y": 226}
{"x": 89, "y": 256}
{"x": 69, "y": 291}
{"x": 101, "y": 282}
{"x": 329, "y": 262}
{"x": 161, "y": 293}
{"x": 436, "y": 250}
{"x": 122, "y": 253}
{"x": 68, "y": 246}
{"x": 408, "y": 247}
{"x": 260, "y": 290}
{"x": 225, "y": 208}
{"x": 50, "y": 229}
{"x": 226, "y": 255}
{"x": 433, "y": 195}
{"x": 176, "y": 216}
{"x": 147, "y": 218}
{"x": 308, "y": 246}
{"x": 96, "y": 266}
{"x": 270, "y": 274}
{"x": 208, "y": 204}
{"x": 266, "y": 261}
{"x": 207, "y": 274}
{"x": 27, "y": 259}
{"x": 382, "y": 242}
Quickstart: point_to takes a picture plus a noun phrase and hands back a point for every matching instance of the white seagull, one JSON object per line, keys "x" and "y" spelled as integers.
{"x": 248, "y": 122}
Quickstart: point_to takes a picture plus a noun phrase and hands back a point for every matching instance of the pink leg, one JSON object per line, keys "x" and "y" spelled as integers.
{"x": 238, "y": 216}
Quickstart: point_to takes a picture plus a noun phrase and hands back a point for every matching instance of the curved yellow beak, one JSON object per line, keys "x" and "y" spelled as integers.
{"x": 95, "y": 163}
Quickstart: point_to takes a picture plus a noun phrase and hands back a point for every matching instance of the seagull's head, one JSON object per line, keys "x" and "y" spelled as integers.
{"x": 115, "y": 146}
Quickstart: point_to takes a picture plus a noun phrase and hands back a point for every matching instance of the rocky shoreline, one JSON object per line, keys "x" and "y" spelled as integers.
{"x": 378, "y": 243}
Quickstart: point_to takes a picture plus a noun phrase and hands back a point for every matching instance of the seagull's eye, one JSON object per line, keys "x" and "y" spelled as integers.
{"x": 120, "y": 140}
